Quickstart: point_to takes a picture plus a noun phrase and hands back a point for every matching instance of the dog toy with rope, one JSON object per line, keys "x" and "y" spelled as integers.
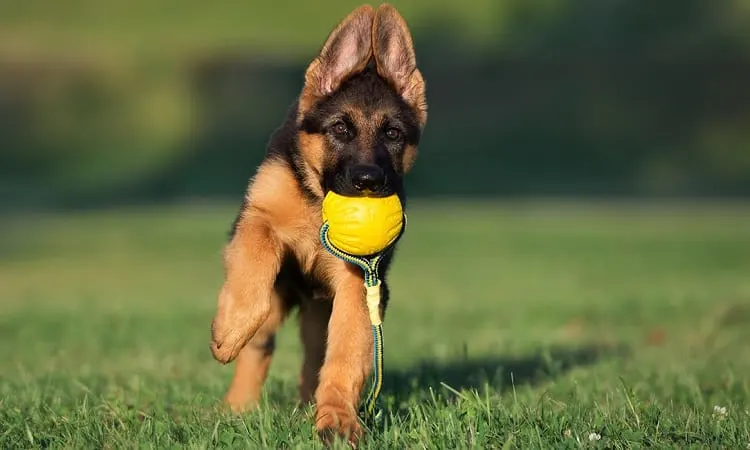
{"x": 361, "y": 231}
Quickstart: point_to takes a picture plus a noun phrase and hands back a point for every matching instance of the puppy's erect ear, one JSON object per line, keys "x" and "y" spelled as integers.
{"x": 347, "y": 51}
{"x": 393, "y": 50}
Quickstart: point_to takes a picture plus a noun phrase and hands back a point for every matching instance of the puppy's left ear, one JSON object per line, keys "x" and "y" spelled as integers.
{"x": 395, "y": 59}
{"x": 347, "y": 51}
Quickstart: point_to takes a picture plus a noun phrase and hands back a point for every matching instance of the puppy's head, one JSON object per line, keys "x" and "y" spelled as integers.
{"x": 363, "y": 107}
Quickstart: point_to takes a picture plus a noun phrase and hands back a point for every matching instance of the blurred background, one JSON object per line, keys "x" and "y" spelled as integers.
{"x": 135, "y": 102}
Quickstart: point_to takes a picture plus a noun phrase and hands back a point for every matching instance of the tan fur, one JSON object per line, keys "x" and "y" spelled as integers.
{"x": 278, "y": 219}
{"x": 366, "y": 124}
{"x": 410, "y": 157}
{"x": 313, "y": 152}
{"x": 254, "y": 360}
{"x": 348, "y": 358}
{"x": 252, "y": 260}
{"x": 276, "y": 216}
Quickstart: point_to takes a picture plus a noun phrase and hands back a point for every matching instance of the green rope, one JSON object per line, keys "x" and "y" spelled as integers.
{"x": 369, "y": 266}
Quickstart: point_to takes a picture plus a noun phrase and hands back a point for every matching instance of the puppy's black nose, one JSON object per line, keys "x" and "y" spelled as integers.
{"x": 370, "y": 178}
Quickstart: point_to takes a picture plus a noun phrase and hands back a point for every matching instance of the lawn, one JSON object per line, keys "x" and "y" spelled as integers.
{"x": 512, "y": 325}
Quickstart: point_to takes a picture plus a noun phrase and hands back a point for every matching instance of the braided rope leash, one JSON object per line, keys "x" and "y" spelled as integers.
{"x": 369, "y": 266}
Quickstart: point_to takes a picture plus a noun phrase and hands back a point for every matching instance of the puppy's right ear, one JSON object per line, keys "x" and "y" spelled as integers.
{"x": 347, "y": 51}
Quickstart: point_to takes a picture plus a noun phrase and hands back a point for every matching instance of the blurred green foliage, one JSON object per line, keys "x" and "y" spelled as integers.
{"x": 139, "y": 101}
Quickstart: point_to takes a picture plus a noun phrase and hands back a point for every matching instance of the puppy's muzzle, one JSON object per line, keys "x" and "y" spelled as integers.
{"x": 367, "y": 178}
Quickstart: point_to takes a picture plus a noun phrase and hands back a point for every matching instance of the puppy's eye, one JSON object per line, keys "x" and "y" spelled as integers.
{"x": 340, "y": 129}
{"x": 393, "y": 133}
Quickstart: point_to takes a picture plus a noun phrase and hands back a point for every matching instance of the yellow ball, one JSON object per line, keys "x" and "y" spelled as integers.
{"x": 362, "y": 226}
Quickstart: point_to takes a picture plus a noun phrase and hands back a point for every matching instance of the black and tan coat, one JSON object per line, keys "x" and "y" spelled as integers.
{"x": 354, "y": 130}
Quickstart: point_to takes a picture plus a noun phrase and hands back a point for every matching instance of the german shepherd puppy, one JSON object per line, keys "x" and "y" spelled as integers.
{"x": 354, "y": 130}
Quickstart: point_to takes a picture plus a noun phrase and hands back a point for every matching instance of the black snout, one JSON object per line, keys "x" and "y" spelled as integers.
{"x": 367, "y": 178}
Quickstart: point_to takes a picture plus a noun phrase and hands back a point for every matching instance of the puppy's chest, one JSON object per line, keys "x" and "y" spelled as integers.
{"x": 312, "y": 265}
{"x": 302, "y": 242}
{"x": 307, "y": 270}
{"x": 314, "y": 261}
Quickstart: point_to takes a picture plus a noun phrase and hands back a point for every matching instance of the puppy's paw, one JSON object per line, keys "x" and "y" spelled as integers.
{"x": 236, "y": 322}
{"x": 332, "y": 420}
{"x": 239, "y": 404}
{"x": 228, "y": 338}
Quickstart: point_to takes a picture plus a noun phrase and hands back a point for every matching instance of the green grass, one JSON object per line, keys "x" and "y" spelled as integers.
{"x": 518, "y": 326}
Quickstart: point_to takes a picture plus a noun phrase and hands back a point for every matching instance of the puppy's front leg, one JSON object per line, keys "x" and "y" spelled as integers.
{"x": 348, "y": 359}
{"x": 252, "y": 261}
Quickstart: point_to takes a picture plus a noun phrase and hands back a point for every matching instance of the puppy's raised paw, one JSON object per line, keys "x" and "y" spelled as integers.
{"x": 235, "y": 324}
{"x": 225, "y": 346}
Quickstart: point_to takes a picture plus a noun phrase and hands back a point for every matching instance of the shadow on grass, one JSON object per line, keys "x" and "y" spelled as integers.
{"x": 495, "y": 372}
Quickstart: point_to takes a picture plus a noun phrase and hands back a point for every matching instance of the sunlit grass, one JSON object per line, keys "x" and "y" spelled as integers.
{"x": 544, "y": 324}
